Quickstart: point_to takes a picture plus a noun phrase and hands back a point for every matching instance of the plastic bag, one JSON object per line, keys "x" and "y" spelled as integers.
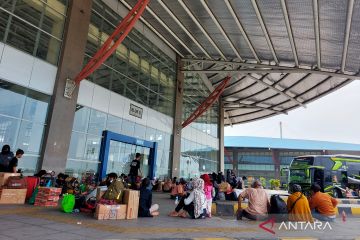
{"x": 68, "y": 203}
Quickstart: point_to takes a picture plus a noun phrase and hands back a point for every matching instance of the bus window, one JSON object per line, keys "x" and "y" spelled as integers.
{"x": 344, "y": 178}
{"x": 319, "y": 177}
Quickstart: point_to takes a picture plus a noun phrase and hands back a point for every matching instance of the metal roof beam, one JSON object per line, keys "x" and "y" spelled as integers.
{"x": 347, "y": 34}
{"x": 317, "y": 32}
{"x": 187, "y": 10}
{"x": 239, "y": 25}
{"x": 255, "y": 107}
{"x": 209, "y": 85}
{"x": 263, "y": 27}
{"x": 183, "y": 28}
{"x": 277, "y": 70}
{"x": 220, "y": 29}
{"x": 162, "y": 23}
{"x": 154, "y": 30}
{"x": 289, "y": 31}
{"x": 277, "y": 90}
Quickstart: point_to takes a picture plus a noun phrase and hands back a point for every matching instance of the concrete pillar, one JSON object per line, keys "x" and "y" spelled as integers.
{"x": 62, "y": 110}
{"x": 221, "y": 136}
{"x": 176, "y": 153}
{"x": 276, "y": 161}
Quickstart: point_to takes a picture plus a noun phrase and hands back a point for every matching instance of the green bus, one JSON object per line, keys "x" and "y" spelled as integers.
{"x": 332, "y": 172}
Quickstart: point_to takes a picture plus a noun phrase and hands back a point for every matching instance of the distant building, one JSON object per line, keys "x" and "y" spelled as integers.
{"x": 264, "y": 157}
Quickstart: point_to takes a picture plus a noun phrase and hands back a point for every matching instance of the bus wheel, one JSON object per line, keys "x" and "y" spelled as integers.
{"x": 337, "y": 193}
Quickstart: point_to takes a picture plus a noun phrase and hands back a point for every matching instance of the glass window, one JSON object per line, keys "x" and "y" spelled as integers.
{"x": 28, "y": 164}
{"x": 77, "y": 146}
{"x": 48, "y": 48}
{"x": 128, "y": 128}
{"x": 97, "y": 122}
{"x": 22, "y": 36}
{"x": 114, "y": 124}
{"x": 9, "y": 128}
{"x": 150, "y": 134}
{"x": 12, "y": 99}
{"x": 92, "y": 148}
{"x": 30, "y": 137}
{"x": 81, "y": 119}
{"x": 36, "y": 106}
{"x": 140, "y": 131}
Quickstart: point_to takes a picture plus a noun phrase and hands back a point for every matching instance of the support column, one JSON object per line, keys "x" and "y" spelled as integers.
{"x": 62, "y": 110}
{"x": 221, "y": 135}
{"x": 276, "y": 161}
{"x": 176, "y": 153}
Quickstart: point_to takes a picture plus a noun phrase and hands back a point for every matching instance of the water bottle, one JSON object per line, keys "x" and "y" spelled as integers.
{"x": 177, "y": 200}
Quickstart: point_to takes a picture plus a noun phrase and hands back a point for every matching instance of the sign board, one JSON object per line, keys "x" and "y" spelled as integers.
{"x": 136, "y": 111}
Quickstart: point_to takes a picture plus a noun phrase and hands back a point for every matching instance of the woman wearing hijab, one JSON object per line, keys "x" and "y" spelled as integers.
{"x": 194, "y": 205}
{"x": 208, "y": 189}
{"x": 298, "y": 206}
{"x": 5, "y": 157}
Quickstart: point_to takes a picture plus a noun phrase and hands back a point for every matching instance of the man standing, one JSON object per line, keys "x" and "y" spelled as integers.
{"x": 14, "y": 161}
{"x": 322, "y": 205}
{"x": 5, "y": 157}
{"x": 258, "y": 203}
{"x": 134, "y": 170}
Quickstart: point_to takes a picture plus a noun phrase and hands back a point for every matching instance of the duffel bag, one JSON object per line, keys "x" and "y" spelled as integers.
{"x": 16, "y": 182}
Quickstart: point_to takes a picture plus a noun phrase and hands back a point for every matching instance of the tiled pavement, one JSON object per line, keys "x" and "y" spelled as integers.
{"x": 28, "y": 222}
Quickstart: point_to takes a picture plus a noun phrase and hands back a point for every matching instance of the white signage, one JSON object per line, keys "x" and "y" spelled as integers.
{"x": 136, "y": 111}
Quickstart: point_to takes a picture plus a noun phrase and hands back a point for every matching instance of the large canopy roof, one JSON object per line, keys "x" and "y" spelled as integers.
{"x": 281, "y": 54}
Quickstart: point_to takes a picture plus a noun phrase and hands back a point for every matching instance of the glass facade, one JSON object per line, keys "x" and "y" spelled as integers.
{"x": 258, "y": 163}
{"x": 34, "y": 26}
{"x": 199, "y": 157}
{"x": 23, "y": 115}
{"x": 137, "y": 70}
{"x": 86, "y": 140}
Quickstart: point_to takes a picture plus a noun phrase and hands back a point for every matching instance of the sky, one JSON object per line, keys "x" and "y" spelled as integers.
{"x": 335, "y": 117}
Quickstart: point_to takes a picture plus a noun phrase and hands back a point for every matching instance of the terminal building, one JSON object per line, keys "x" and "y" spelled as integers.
{"x": 176, "y": 55}
{"x": 265, "y": 157}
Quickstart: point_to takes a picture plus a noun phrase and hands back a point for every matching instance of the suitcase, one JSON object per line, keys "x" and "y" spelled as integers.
{"x": 16, "y": 183}
{"x": 32, "y": 183}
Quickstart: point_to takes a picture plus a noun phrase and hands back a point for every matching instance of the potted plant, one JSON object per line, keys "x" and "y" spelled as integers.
{"x": 275, "y": 184}
{"x": 263, "y": 181}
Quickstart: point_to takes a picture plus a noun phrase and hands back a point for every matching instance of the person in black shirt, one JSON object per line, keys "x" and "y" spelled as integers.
{"x": 14, "y": 162}
{"x": 134, "y": 170}
{"x": 5, "y": 157}
{"x": 146, "y": 208}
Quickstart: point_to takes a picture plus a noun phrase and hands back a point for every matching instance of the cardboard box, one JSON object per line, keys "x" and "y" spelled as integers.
{"x": 12, "y": 196}
{"x": 50, "y": 191}
{"x": 110, "y": 212}
{"x": 100, "y": 191}
{"x": 131, "y": 199}
{"x": 4, "y": 177}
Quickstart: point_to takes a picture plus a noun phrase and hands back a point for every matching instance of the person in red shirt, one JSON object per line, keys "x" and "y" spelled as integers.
{"x": 322, "y": 205}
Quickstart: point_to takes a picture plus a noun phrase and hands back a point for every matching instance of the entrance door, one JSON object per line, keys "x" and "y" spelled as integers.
{"x": 117, "y": 152}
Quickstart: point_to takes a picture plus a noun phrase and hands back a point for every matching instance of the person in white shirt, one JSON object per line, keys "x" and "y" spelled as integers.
{"x": 194, "y": 205}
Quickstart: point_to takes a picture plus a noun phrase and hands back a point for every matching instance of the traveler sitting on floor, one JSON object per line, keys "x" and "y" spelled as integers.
{"x": 115, "y": 189}
{"x": 209, "y": 192}
{"x": 146, "y": 208}
{"x": 224, "y": 187}
{"x": 322, "y": 205}
{"x": 298, "y": 206}
{"x": 258, "y": 203}
{"x": 167, "y": 185}
{"x": 194, "y": 205}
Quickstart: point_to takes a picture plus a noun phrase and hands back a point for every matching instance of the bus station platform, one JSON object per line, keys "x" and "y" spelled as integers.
{"x": 29, "y": 222}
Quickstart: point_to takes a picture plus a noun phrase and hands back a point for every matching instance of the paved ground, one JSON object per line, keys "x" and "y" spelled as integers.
{"x": 28, "y": 222}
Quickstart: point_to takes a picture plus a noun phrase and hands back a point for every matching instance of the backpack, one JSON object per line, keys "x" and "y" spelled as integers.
{"x": 278, "y": 208}
{"x": 16, "y": 182}
{"x": 115, "y": 191}
{"x": 5, "y": 161}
